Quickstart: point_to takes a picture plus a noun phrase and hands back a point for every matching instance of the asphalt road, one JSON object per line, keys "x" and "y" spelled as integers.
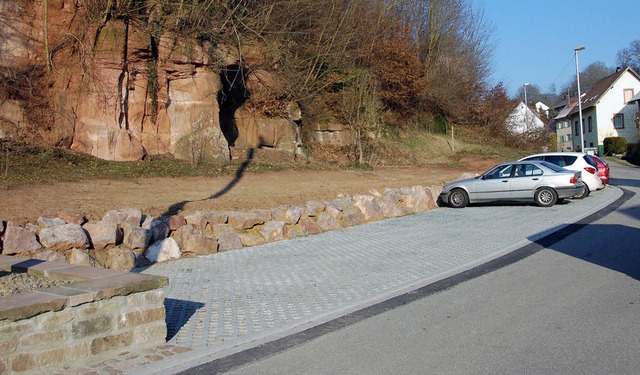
{"x": 570, "y": 305}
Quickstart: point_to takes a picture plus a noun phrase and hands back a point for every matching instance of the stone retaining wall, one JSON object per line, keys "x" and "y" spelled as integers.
{"x": 126, "y": 238}
{"x": 102, "y": 312}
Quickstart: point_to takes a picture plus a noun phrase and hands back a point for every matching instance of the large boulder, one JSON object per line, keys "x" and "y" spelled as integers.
{"x": 163, "y": 250}
{"x": 63, "y": 237}
{"x": 192, "y": 241}
{"x": 103, "y": 234}
{"x": 228, "y": 239}
{"x": 18, "y": 240}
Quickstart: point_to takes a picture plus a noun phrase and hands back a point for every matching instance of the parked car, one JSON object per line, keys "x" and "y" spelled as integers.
{"x": 538, "y": 181}
{"x": 574, "y": 161}
{"x": 603, "y": 169}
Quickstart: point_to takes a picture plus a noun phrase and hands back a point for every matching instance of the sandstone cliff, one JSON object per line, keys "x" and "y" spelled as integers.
{"x": 120, "y": 91}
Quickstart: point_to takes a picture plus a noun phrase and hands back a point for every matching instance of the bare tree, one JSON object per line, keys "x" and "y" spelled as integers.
{"x": 630, "y": 56}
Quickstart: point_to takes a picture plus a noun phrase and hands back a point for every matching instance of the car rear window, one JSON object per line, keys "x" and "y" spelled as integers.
{"x": 552, "y": 166}
{"x": 590, "y": 161}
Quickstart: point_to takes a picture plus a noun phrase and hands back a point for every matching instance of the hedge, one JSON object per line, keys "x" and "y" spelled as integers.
{"x": 615, "y": 145}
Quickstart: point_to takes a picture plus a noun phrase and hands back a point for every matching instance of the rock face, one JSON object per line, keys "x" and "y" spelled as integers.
{"x": 118, "y": 94}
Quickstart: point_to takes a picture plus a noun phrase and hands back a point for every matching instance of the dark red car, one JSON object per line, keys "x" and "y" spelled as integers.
{"x": 603, "y": 169}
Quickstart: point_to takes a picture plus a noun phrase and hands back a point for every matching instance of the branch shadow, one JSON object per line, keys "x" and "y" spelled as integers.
{"x": 178, "y": 314}
{"x": 176, "y": 208}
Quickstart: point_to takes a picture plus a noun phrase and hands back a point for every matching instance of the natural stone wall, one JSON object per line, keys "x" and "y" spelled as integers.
{"x": 104, "y": 312}
{"x": 126, "y": 238}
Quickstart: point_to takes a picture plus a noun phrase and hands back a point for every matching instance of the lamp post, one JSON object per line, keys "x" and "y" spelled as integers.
{"x": 526, "y": 106}
{"x": 575, "y": 50}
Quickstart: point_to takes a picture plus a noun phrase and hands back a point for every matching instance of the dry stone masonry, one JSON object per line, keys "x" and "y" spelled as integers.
{"x": 125, "y": 239}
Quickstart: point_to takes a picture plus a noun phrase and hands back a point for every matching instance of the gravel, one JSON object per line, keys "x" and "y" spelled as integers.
{"x": 14, "y": 283}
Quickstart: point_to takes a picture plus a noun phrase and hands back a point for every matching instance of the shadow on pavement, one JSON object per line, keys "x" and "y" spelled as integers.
{"x": 613, "y": 246}
{"x": 178, "y": 314}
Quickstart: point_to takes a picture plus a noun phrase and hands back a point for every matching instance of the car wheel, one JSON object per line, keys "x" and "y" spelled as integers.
{"x": 545, "y": 197}
{"x": 458, "y": 198}
{"x": 585, "y": 192}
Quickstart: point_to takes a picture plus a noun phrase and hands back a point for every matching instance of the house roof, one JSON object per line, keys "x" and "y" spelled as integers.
{"x": 594, "y": 95}
{"x": 635, "y": 98}
{"x": 564, "y": 112}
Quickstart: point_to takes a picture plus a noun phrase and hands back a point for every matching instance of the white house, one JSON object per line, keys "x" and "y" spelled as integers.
{"x": 608, "y": 110}
{"x": 523, "y": 120}
{"x": 563, "y": 126}
{"x": 542, "y": 108}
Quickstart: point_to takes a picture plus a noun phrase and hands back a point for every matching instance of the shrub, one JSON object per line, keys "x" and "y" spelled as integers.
{"x": 615, "y": 145}
{"x": 633, "y": 153}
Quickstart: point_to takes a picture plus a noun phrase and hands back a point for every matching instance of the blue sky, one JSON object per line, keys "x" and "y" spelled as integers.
{"x": 534, "y": 40}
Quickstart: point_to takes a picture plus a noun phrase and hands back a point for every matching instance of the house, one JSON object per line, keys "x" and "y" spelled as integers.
{"x": 608, "y": 110}
{"x": 542, "y": 108}
{"x": 562, "y": 124}
{"x": 523, "y": 120}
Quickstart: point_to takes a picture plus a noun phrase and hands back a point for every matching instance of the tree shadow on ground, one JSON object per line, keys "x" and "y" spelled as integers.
{"x": 176, "y": 208}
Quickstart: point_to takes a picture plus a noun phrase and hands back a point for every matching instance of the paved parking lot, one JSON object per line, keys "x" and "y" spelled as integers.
{"x": 227, "y": 302}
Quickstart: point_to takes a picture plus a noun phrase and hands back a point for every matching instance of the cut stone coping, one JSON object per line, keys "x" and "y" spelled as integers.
{"x": 89, "y": 284}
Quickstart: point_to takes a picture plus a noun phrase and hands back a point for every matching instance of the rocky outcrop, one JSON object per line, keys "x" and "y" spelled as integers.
{"x": 126, "y": 238}
{"x": 119, "y": 94}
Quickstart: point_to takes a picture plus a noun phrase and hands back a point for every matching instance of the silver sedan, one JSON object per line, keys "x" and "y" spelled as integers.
{"x": 538, "y": 181}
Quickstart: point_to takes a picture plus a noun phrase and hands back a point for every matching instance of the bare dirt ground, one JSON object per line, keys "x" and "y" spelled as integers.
{"x": 265, "y": 190}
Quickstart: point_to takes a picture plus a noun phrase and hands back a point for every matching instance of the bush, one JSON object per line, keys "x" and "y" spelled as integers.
{"x": 615, "y": 145}
{"x": 633, "y": 153}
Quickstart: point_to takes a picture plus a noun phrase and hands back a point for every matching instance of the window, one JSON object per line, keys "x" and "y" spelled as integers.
{"x": 590, "y": 124}
{"x": 628, "y": 95}
{"x": 618, "y": 121}
{"x": 576, "y": 128}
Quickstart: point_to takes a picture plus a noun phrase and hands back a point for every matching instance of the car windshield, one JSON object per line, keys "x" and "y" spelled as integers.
{"x": 499, "y": 171}
{"x": 553, "y": 167}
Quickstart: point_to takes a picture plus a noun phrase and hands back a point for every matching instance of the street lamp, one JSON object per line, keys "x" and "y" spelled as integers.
{"x": 526, "y": 106}
{"x": 579, "y": 48}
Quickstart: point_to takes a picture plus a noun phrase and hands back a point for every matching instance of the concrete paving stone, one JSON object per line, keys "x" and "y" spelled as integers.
{"x": 227, "y": 301}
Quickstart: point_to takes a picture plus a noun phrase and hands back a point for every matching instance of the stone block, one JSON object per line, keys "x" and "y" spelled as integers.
{"x": 63, "y": 237}
{"x": 327, "y": 222}
{"x": 163, "y": 250}
{"x": 97, "y": 325}
{"x": 131, "y": 216}
{"x": 273, "y": 231}
{"x": 22, "y": 362}
{"x": 42, "y": 338}
{"x": 369, "y": 207}
{"x": 61, "y": 355}
{"x": 103, "y": 234}
{"x": 135, "y": 237}
{"x": 228, "y": 239}
{"x": 110, "y": 343}
{"x": 216, "y": 218}
{"x": 158, "y": 227}
{"x": 251, "y": 238}
{"x": 190, "y": 240}
{"x": 18, "y": 240}
{"x": 141, "y": 317}
{"x": 198, "y": 221}
{"x": 247, "y": 220}
{"x": 45, "y": 222}
{"x": 49, "y": 256}
{"x": 311, "y": 227}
